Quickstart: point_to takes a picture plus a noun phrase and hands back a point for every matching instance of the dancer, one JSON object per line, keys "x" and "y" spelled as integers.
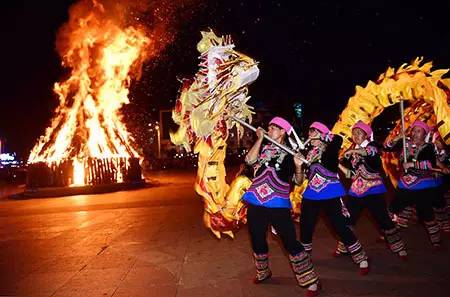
{"x": 363, "y": 164}
{"x": 269, "y": 204}
{"x": 417, "y": 184}
{"x": 441, "y": 199}
{"x": 324, "y": 191}
{"x": 440, "y": 203}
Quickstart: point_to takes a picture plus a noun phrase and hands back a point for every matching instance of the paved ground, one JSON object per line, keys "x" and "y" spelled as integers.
{"x": 151, "y": 242}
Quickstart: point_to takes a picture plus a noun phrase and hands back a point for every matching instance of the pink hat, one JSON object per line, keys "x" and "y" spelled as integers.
{"x": 325, "y": 132}
{"x": 282, "y": 123}
{"x": 363, "y": 126}
{"x": 421, "y": 125}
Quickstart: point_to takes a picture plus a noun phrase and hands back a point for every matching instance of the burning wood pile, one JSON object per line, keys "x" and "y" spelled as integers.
{"x": 87, "y": 142}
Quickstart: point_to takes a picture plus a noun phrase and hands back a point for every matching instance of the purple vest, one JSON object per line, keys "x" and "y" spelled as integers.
{"x": 416, "y": 179}
{"x": 323, "y": 184}
{"x": 366, "y": 183}
{"x": 268, "y": 190}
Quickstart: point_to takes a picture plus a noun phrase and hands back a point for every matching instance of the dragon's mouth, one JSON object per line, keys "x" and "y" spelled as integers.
{"x": 249, "y": 75}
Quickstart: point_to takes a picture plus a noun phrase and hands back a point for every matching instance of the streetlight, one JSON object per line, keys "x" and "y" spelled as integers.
{"x": 158, "y": 133}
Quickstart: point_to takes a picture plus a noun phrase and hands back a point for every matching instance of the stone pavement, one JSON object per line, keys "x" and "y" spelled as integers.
{"x": 151, "y": 242}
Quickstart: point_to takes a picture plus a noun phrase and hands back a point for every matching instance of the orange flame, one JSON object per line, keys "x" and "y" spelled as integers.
{"x": 103, "y": 58}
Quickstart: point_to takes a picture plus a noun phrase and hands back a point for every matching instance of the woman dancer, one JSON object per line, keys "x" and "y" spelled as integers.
{"x": 440, "y": 203}
{"x": 324, "y": 191}
{"x": 269, "y": 204}
{"x": 362, "y": 163}
{"x": 417, "y": 183}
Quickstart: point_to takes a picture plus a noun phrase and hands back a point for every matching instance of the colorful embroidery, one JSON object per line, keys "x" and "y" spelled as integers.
{"x": 262, "y": 266}
{"x": 269, "y": 152}
{"x": 317, "y": 183}
{"x": 412, "y": 151}
{"x": 409, "y": 179}
{"x": 315, "y": 154}
{"x": 364, "y": 180}
{"x": 424, "y": 165}
{"x": 303, "y": 269}
{"x": 357, "y": 252}
{"x": 361, "y": 185}
{"x": 264, "y": 190}
{"x": 371, "y": 150}
{"x": 320, "y": 177}
{"x": 418, "y": 177}
{"x": 268, "y": 186}
{"x": 355, "y": 160}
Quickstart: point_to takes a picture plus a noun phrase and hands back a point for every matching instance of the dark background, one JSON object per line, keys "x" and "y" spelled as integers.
{"x": 313, "y": 52}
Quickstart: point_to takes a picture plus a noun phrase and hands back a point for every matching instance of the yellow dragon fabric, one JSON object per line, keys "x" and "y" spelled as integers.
{"x": 426, "y": 91}
{"x": 203, "y": 111}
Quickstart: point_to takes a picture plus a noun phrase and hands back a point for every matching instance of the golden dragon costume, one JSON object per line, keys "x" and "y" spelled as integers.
{"x": 203, "y": 112}
{"x": 426, "y": 91}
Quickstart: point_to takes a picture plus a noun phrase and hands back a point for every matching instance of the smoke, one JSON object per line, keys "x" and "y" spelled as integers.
{"x": 160, "y": 19}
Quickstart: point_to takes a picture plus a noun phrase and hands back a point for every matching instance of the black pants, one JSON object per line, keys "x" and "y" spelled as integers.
{"x": 441, "y": 211}
{"x": 422, "y": 199}
{"x": 259, "y": 218}
{"x": 439, "y": 200}
{"x": 333, "y": 210}
{"x": 377, "y": 209}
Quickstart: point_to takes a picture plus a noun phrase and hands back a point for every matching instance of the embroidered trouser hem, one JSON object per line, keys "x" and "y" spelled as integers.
{"x": 303, "y": 269}
{"x": 434, "y": 233}
{"x": 262, "y": 266}
{"x": 357, "y": 252}
{"x": 394, "y": 240}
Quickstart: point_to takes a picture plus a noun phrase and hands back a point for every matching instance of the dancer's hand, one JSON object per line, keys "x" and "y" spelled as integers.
{"x": 348, "y": 154}
{"x": 408, "y": 165}
{"x": 260, "y": 133}
{"x": 298, "y": 160}
{"x": 397, "y": 138}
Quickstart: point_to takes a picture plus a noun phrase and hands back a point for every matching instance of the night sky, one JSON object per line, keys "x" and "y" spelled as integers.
{"x": 313, "y": 52}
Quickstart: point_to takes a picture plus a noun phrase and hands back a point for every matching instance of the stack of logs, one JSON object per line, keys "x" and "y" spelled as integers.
{"x": 97, "y": 171}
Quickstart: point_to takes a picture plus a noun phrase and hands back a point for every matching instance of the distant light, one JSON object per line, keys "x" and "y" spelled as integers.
{"x": 298, "y": 109}
{"x": 7, "y": 157}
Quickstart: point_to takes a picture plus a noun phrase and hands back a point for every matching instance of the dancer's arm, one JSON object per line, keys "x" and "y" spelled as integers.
{"x": 347, "y": 172}
{"x": 253, "y": 153}
{"x": 298, "y": 175}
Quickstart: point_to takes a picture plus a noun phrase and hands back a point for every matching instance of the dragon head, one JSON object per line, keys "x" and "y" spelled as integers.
{"x": 219, "y": 90}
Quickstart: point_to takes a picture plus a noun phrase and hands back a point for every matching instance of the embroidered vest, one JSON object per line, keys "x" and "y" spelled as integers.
{"x": 323, "y": 183}
{"x": 414, "y": 178}
{"x": 366, "y": 183}
{"x": 268, "y": 190}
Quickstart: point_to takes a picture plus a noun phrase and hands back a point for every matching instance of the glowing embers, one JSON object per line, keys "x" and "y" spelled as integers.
{"x": 87, "y": 172}
{"x": 78, "y": 173}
